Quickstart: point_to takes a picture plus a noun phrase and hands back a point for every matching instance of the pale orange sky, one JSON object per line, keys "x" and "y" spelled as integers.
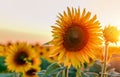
{"x": 37, "y": 16}
{"x": 15, "y": 36}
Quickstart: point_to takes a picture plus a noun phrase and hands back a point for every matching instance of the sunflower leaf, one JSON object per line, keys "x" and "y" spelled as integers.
{"x": 7, "y": 74}
{"x": 53, "y": 69}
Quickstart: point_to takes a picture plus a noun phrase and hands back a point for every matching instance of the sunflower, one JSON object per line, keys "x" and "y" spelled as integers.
{"x": 52, "y": 58}
{"x": 44, "y": 51}
{"x": 111, "y": 34}
{"x": 75, "y": 36}
{"x": 31, "y": 72}
{"x": 35, "y": 60}
{"x": 2, "y": 50}
{"x": 9, "y": 43}
{"x": 112, "y": 50}
{"x": 36, "y": 56}
{"x": 7, "y": 46}
{"x": 47, "y": 49}
{"x": 99, "y": 53}
{"x": 19, "y": 56}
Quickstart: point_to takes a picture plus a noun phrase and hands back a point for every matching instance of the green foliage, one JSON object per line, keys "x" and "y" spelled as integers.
{"x": 7, "y": 75}
{"x": 96, "y": 67}
{"x": 89, "y": 74}
{"x": 3, "y": 67}
{"x": 72, "y": 72}
{"x": 44, "y": 64}
{"x": 53, "y": 70}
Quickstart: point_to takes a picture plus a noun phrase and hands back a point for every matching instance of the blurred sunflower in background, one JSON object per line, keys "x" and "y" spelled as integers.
{"x": 75, "y": 37}
{"x": 4, "y": 49}
{"x": 52, "y": 58}
{"x": 47, "y": 49}
{"x": 40, "y": 50}
{"x": 112, "y": 50}
{"x": 43, "y": 51}
{"x": 7, "y": 46}
{"x": 35, "y": 60}
{"x": 2, "y": 53}
{"x": 18, "y": 58}
{"x": 111, "y": 34}
{"x": 31, "y": 72}
{"x": 9, "y": 43}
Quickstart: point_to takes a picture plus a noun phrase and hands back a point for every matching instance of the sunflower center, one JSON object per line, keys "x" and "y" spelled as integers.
{"x": 41, "y": 53}
{"x": 51, "y": 58}
{"x": 31, "y": 72}
{"x": 20, "y": 56}
{"x": 75, "y": 38}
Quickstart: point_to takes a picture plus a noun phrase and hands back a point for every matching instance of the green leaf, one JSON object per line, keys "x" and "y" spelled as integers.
{"x": 72, "y": 72}
{"x": 96, "y": 67}
{"x": 53, "y": 69}
{"x": 84, "y": 74}
{"x": 44, "y": 64}
{"x": 41, "y": 73}
{"x": 7, "y": 75}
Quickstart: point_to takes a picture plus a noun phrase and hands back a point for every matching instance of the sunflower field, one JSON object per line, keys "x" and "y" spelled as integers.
{"x": 80, "y": 48}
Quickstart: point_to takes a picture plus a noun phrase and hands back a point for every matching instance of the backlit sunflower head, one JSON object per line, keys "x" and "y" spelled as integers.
{"x": 111, "y": 34}
{"x": 75, "y": 37}
{"x": 19, "y": 57}
{"x": 31, "y": 72}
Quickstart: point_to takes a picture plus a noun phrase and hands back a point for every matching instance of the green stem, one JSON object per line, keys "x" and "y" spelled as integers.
{"x": 65, "y": 72}
{"x": 105, "y": 60}
{"x": 17, "y": 75}
{"x": 78, "y": 73}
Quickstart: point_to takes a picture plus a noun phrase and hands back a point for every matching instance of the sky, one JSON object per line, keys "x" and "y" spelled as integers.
{"x": 37, "y": 16}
